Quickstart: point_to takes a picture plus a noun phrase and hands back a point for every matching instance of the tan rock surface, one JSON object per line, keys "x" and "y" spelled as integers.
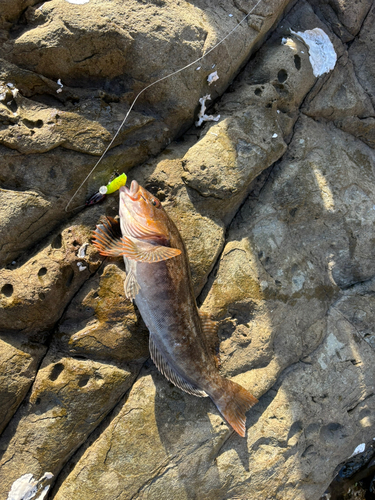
{"x": 275, "y": 203}
{"x": 103, "y": 55}
{"x": 19, "y": 361}
{"x": 69, "y": 398}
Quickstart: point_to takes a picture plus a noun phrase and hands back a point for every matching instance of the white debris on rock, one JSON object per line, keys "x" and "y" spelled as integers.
{"x": 81, "y": 267}
{"x": 202, "y": 117}
{"x": 289, "y": 43}
{"x": 322, "y": 53}
{"x": 82, "y": 251}
{"x": 274, "y": 136}
{"x": 28, "y": 488}
{"x": 360, "y": 449}
{"x": 212, "y": 77}
{"x": 13, "y": 89}
{"x": 61, "y": 86}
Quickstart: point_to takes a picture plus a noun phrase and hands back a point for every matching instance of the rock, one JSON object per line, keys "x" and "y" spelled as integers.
{"x": 365, "y": 68}
{"x": 34, "y": 295}
{"x": 274, "y": 201}
{"x": 69, "y": 398}
{"x": 341, "y": 96}
{"x": 345, "y": 18}
{"x": 289, "y": 328}
{"x": 59, "y": 87}
{"x": 19, "y": 361}
{"x": 100, "y": 323}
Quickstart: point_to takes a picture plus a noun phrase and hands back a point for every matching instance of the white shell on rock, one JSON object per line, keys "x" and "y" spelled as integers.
{"x": 322, "y": 53}
{"x": 28, "y": 488}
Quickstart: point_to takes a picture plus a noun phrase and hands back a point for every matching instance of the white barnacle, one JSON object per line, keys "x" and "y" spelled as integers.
{"x": 82, "y": 251}
{"x": 81, "y": 267}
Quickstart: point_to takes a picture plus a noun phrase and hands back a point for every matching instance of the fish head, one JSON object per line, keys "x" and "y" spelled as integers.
{"x": 142, "y": 215}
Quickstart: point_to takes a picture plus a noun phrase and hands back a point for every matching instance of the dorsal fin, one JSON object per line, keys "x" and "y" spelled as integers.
{"x": 210, "y": 329}
{"x": 165, "y": 368}
{"x": 209, "y": 326}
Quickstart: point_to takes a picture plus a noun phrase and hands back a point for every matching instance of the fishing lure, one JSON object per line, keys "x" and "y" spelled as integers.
{"x": 110, "y": 188}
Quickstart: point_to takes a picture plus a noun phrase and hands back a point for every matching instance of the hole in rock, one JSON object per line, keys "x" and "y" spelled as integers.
{"x": 42, "y": 271}
{"x": 57, "y": 241}
{"x": 56, "y": 370}
{"x": 32, "y": 123}
{"x": 7, "y": 290}
{"x": 84, "y": 380}
{"x": 42, "y": 295}
{"x": 297, "y": 62}
{"x": 258, "y": 91}
{"x": 282, "y": 76}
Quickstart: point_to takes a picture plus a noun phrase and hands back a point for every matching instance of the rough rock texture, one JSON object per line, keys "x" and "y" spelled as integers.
{"x": 275, "y": 202}
{"x": 103, "y": 54}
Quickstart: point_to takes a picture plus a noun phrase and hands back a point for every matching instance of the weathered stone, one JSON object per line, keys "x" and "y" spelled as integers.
{"x": 19, "y": 361}
{"x": 341, "y": 95}
{"x": 100, "y": 77}
{"x": 291, "y": 279}
{"x": 345, "y": 18}
{"x": 34, "y": 295}
{"x": 280, "y": 297}
{"x": 69, "y": 398}
{"x": 362, "y": 128}
{"x": 100, "y": 322}
{"x": 364, "y": 66}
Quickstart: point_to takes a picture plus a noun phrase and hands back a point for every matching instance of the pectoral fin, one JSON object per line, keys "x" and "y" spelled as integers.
{"x": 167, "y": 370}
{"x": 131, "y": 285}
{"x": 109, "y": 243}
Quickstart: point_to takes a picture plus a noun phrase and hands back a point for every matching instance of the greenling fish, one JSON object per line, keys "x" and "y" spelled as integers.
{"x": 159, "y": 281}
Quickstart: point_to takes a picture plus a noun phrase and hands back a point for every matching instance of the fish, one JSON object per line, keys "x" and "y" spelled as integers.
{"x": 159, "y": 281}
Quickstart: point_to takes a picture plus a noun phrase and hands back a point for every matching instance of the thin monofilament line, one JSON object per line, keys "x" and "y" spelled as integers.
{"x": 143, "y": 90}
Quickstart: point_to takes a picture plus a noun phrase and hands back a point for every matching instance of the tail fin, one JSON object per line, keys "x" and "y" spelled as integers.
{"x": 233, "y": 404}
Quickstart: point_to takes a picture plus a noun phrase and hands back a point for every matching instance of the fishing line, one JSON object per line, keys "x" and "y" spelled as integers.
{"x": 143, "y": 90}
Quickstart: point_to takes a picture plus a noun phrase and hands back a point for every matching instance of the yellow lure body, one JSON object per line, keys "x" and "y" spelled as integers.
{"x": 116, "y": 183}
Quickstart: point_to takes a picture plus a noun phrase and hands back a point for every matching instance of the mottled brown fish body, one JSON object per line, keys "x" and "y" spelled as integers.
{"x": 158, "y": 279}
{"x": 167, "y": 305}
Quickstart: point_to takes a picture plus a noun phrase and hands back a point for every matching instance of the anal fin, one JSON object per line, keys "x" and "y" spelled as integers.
{"x": 165, "y": 368}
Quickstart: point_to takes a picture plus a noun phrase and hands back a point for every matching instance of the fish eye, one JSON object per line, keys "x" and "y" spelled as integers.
{"x": 155, "y": 202}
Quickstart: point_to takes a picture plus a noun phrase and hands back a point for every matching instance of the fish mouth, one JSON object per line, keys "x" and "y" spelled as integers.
{"x": 132, "y": 192}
